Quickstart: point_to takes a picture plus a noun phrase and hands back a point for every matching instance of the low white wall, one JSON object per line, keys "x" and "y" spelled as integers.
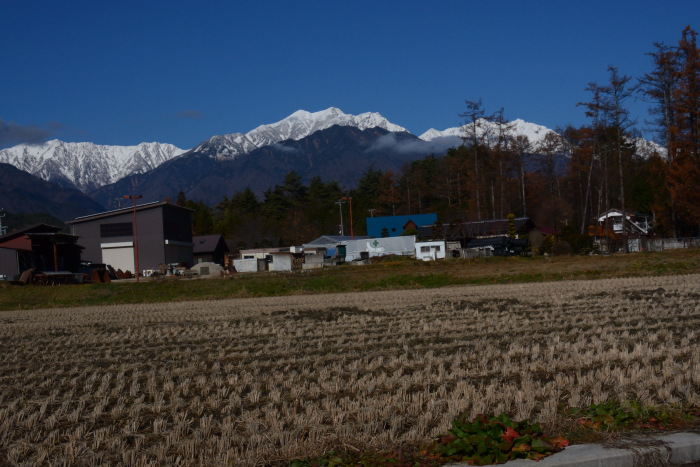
{"x": 245, "y": 265}
{"x": 312, "y": 262}
{"x": 281, "y": 262}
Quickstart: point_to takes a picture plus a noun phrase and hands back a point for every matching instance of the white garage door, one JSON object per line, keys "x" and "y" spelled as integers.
{"x": 119, "y": 256}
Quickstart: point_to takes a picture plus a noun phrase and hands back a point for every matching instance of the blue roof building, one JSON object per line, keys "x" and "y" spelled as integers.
{"x": 395, "y": 225}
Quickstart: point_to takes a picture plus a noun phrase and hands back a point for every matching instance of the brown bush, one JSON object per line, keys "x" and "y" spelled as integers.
{"x": 562, "y": 248}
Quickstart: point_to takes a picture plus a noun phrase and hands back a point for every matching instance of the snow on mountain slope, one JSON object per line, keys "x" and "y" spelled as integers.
{"x": 86, "y": 165}
{"x": 297, "y": 126}
{"x": 534, "y": 132}
{"x": 646, "y": 149}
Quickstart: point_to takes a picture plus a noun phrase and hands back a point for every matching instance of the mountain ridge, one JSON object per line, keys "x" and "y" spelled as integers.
{"x": 339, "y": 153}
{"x": 296, "y": 126}
{"x": 23, "y": 193}
{"x": 536, "y": 133}
{"x": 88, "y": 166}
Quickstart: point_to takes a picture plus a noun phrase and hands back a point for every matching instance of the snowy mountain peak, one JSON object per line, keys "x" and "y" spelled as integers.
{"x": 432, "y": 134}
{"x": 645, "y": 149}
{"x": 87, "y": 166}
{"x": 298, "y": 125}
{"x": 534, "y": 132}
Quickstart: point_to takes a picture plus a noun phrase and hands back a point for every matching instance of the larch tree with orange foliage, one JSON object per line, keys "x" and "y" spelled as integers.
{"x": 684, "y": 145}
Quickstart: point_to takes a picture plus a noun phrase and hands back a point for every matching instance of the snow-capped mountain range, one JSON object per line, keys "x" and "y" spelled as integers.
{"x": 88, "y": 166}
{"x": 297, "y": 126}
{"x": 535, "y": 133}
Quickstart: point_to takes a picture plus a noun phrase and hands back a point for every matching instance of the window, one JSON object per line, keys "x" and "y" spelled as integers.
{"x": 425, "y": 249}
{"x": 118, "y": 229}
{"x": 436, "y": 248}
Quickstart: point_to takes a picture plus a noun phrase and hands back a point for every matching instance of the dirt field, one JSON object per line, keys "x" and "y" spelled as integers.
{"x": 262, "y": 381}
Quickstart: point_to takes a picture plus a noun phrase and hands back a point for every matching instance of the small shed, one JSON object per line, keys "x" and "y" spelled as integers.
{"x": 430, "y": 251}
{"x": 209, "y": 249}
{"x": 39, "y": 246}
{"x": 260, "y": 253}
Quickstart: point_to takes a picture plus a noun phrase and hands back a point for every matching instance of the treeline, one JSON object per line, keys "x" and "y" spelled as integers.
{"x": 563, "y": 182}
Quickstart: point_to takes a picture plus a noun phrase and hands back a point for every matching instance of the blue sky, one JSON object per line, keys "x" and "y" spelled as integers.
{"x": 125, "y": 72}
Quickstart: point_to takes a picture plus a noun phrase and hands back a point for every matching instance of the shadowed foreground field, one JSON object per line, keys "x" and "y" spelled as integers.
{"x": 261, "y": 381}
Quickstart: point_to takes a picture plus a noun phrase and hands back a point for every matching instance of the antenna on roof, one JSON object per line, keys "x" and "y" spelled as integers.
{"x": 119, "y": 202}
{"x": 3, "y": 230}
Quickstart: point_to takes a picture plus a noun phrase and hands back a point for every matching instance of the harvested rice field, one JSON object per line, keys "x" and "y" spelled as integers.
{"x": 263, "y": 381}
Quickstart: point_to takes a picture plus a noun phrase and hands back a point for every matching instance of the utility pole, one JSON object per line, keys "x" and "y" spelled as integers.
{"x": 371, "y": 212}
{"x": 3, "y": 230}
{"x": 352, "y": 234}
{"x": 340, "y": 203}
{"x": 136, "y": 241}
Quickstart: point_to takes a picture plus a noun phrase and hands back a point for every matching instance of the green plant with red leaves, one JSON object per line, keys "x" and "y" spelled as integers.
{"x": 489, "y": 440}
{"x": 484, "y": 440}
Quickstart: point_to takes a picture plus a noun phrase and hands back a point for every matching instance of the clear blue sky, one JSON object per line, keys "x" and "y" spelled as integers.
{"x": 125, "y": 72}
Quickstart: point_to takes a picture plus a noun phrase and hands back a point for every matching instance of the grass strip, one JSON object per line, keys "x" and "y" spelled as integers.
{"x": 384, "y": 274}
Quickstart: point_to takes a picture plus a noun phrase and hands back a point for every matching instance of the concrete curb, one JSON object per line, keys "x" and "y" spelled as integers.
{"x": 658, "y": 450}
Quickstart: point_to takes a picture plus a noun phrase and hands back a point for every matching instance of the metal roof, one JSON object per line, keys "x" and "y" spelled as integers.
{"x": 207, "y": 243}
{"x": 139, "y": 207}
{"x": 332, "y": 240}
{"x": 36, "y": 228}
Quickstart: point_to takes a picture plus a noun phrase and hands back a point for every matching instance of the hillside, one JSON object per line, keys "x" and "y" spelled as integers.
{"x": 24, "y": 193}
{"x": 340, "y": 153}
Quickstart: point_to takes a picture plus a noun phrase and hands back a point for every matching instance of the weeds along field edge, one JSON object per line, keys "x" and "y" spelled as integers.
{"x": 262, "y": 381}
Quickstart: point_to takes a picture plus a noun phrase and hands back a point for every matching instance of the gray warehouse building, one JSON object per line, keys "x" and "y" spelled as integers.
{"x": 163, "y": 233}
